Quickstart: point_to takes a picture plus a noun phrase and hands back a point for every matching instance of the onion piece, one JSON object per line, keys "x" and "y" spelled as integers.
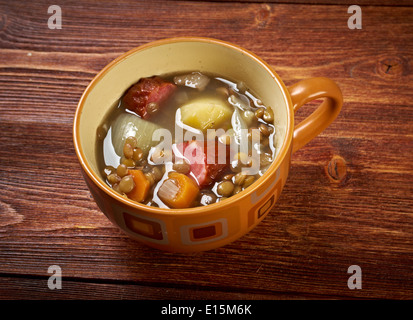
{"x": 168, "y": 191}
{"x": 178, "y": 191}
{"x": 240, "y": 103}
{"x": 194, "y": 80}
{"x": 240, "y": 127}
{"x": 126, "y": 125}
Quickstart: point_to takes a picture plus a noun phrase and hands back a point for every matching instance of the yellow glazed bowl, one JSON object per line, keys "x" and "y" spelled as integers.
{"x": 211, "y": 226}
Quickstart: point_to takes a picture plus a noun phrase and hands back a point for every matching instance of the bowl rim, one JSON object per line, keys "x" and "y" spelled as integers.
{"x": 283, "y": 152}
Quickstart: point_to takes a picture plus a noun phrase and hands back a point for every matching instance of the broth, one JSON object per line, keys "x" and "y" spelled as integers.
{"x": 199, "y": 111}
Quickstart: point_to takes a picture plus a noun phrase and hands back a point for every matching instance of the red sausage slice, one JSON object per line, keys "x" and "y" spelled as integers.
{"x": 145, "y": 91}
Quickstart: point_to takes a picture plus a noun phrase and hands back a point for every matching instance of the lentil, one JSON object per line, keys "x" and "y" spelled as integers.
{"x": 268, "y": 115}
{"x": 127, "y": 151}
{"x": 248, "y": 181}
{"x": 132, "y": 141}
{"x": 137, "y": 154}
{"x": 126, "y": 185}
{"x": 122, "y": 170}
{"x": 259, "y": 112}
{"x": 113, "y": 178}
{"x": 225, "y": 188}
{"x": 181, "y": 167}
{"x": 239, "y": 178}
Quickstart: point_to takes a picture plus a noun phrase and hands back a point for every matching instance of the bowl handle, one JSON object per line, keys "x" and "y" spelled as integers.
{"x": 306, "y": 91}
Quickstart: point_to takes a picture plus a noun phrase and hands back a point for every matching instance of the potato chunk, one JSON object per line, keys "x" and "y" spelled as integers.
{"x": 205, "y": 113}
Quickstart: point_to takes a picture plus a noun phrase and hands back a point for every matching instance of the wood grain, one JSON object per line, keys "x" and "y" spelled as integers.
{"x": 319, "y": 227}
{"x": 331, "y": 2}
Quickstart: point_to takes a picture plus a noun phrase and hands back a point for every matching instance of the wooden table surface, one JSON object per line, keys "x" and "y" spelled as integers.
{"x": 348, "y": 199}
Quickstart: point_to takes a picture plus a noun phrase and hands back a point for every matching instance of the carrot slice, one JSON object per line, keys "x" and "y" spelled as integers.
{"x": 178, "y": 191}
{"x": 142, "y": 186}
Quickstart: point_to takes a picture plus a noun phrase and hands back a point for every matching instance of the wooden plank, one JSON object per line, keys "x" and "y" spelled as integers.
{"x": 21, "y": 288}
{"x": 315, "y": 232}
{"x": 329, "y": 2}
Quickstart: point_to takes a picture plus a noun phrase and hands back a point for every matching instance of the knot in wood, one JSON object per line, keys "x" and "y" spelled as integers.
{"x": 263, "y": 15}
{"x": 392, "y": 67}
{"x": 336, "y": 169}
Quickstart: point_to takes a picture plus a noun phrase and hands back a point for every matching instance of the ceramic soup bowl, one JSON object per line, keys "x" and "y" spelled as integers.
{"x": 214, "y": 225}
